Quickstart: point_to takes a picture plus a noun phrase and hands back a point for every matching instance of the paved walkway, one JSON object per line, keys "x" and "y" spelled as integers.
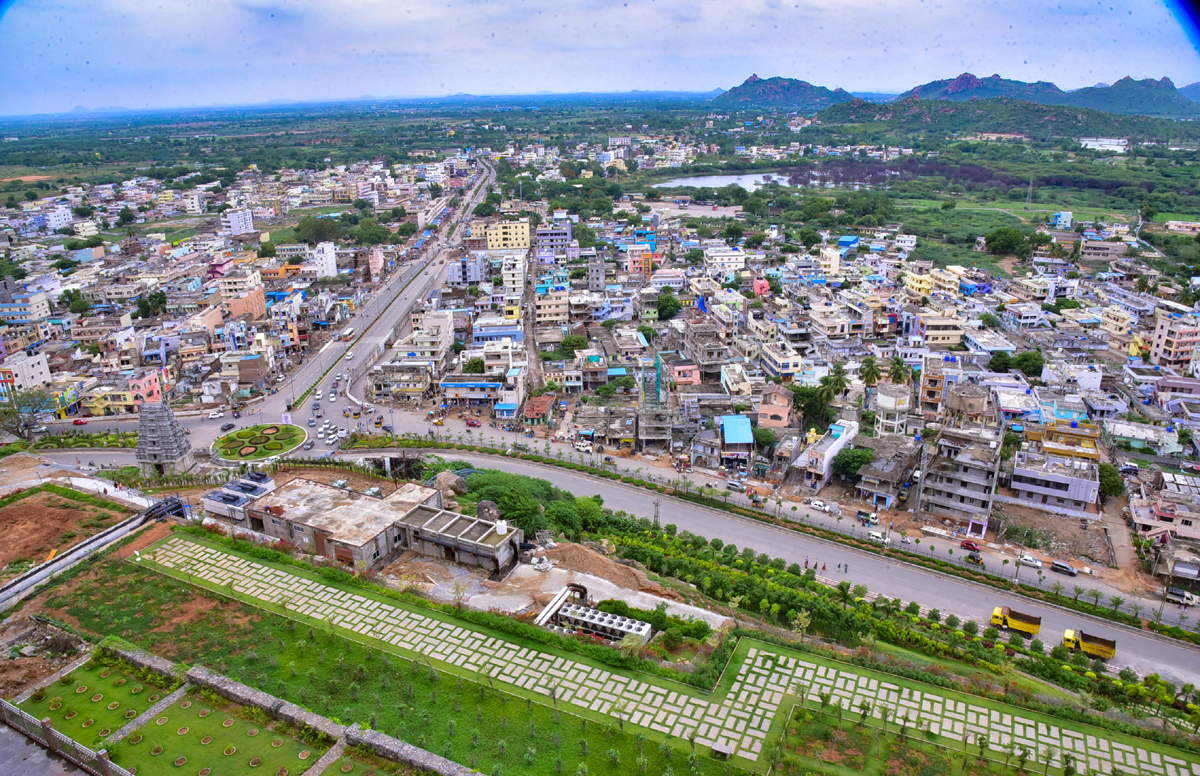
{"x": 740, "y": 721}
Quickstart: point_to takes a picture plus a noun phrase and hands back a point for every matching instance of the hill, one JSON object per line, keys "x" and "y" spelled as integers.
{"x": 781, "y": 93}
{"x": 1148, "y": 97}
{"x": 968, "y": 87}
{"x": 911, "y": 114}
{"x": 1191, "y": 91}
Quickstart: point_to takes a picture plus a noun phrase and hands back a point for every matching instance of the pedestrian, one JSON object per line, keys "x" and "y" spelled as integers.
{"x": 806, "y": 564}
{"x": 822, "y": 567}
{"x": 847, "y": 568}
{"x": 839, "y": 567}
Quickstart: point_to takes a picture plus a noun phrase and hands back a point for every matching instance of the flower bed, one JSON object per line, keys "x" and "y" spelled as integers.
{"x": 88, "y": 702}
{"x": 257, "y": 442}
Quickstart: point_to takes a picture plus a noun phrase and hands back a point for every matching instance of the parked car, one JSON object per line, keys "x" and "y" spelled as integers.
{"x": 879, "y": 538}
{"x": 80, "y": 422}
{"x": 1062, "y": 567}
{"x": 1130, "y": 469}
{"x": 39, "y": 429}
{"x": 1030, "y": 561}
{"x": 818, "y": 505}
{"x": 228, "y": 427}
{"x": 971, "y": 546}
{"x": 215, "y": 414}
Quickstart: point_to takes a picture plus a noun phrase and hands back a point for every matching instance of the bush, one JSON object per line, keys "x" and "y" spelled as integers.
{"x": 952, "y": 621}
{"x": 672, "y": 639}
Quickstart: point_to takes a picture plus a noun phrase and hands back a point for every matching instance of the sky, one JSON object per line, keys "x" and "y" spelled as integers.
{"x": 59, "y": 55}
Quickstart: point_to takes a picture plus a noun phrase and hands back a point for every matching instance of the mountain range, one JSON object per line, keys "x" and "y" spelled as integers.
{"x": 1149, "y": 97}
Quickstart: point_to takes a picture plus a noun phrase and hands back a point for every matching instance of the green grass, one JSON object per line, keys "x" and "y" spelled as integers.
{"x": 1162, "y": 218}
{"x": 224, "y": 730}
{"x": 958, "y": 668}
{"x": 92, "y": 720}
{"x": 363, "y": 764}
{"x": 231, "y": 446}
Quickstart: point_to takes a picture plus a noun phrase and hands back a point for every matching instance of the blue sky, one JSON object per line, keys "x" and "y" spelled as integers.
{"x": 59, "y": 54}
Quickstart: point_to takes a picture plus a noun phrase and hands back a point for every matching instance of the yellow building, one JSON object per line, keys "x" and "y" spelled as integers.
{"x": 831, "y": 261}
{"x": 1066, "y": 439}
{"x": 920, "y": 285}
{"x": 508, "y": 235}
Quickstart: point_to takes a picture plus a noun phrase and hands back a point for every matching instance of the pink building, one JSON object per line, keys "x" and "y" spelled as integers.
{"x": 684, "y": 371}
{"x": 146, "y": 385}
{"x": 775, "y": 409}
{"x": 761, "y": 287}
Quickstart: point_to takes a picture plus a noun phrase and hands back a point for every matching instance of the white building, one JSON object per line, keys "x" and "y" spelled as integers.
{"x": 324, "y": 260}
{"x": 237, "y": 221}
{"x": 58, "y": 218}
{"x": 21, "y": 373}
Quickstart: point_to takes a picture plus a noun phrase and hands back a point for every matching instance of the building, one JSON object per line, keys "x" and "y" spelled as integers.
{"x": 237, "y": 221}
{"x": 323, "y": 261}
{"x": 960, "y": 479}
{"x": 23, "y": 373}
{"x": 1064, "y": 486}
{"x": 818, "y": 458}
{"x": 469, "y": 269}
{"x": 775, "y": 407}
{"x": 1175, "y": 338}
{"x": 889, "y": 474}
{"x": 508, "y": 235}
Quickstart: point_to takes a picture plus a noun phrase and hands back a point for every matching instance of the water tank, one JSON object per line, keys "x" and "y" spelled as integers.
{"x": 502, "y": 527}
{"x": 1074, "y": 424}
{"x": 1028, "y": 391}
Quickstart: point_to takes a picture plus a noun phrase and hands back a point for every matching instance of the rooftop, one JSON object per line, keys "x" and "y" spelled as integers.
{"x": 345, "y": 516}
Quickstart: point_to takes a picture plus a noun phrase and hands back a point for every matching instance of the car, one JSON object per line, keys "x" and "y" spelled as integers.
{"x": 228, "y": 427}
{"x": 735, "y": 485}
{"x": 280, "y": 379}
{"x": 350, "y": 356}
{"x": 473, "y": 423}
{"x": 1062, "y": 567}
{"x": 332, "y": 396}
{"x": 1030, "y": 561}
{"x": 312, "y": 421}
{"x": 1129, "y": 469}
{"x": 39, "y": 429}
{"x": 215, "y": 414}
{"x": 309, "y": 444}
{"x": 316, "y": 405}
{"x": 879, "y": 538}
{"x": 818, "y": 505}
{"x": 79, "y": 422}
{"x": 903, "y": 495}
{"x": 971, "y": 546}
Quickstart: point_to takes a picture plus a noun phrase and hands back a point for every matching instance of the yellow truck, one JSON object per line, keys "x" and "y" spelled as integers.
{"x": 1003, "y": 617}
{"x": 1090, "y": 645}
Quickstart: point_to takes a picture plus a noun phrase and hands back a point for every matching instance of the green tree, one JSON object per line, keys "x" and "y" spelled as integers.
{"x": 126, "y": 216}
{"x": 647, "y": 331}
{"x": 18, "y": 412}
{"x": 847, "y": 462}
{"x": 73, "y": 300}
{"x": 898, "y": 371}
{"x": 473, "y": 366}
{"x": 732, "y": 233}
{"x": 573, "y": 342}
{"x": 764, "y": 437}
{"x": 668, "y": 304}
{"x": 991, "y": 321}
{"x": 1111, "y": 483}
{"x": 266, "y": 250}
{"x": 1001, "y": 361}
{"x": 362, "y": 204}
{"x": 406, "y": 229}
{"x": 870, "y": 372}
{"x": 313, "y": 230}
{"x": 1030, "y": 362}
{"x": 1006, "y": 239}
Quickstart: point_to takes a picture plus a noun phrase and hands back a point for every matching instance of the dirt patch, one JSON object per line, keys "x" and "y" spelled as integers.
{"x": 37, "y": 524}
{"x": 52, "y": 649}
{"x": 579, "y": 558}
{"x": 27, "y": 178}
{"x": 1055, "y": 537}
{"x": 357, "y": 482}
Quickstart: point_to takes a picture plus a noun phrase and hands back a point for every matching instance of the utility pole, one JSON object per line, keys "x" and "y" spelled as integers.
{"x": 1029, "y": 194}
{"x": 656, "y": 503}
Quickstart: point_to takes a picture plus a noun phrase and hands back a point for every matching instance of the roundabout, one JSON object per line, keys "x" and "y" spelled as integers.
{"x": 259, "y": 442}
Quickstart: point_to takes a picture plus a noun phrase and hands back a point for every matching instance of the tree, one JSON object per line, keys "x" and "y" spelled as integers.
{"x": 1030, "y": 362}
{"x": 407, "y": 229}
{"x": 898, "y": 371}
{"x": 847, "y": 462}
{"x": 732, "y": 233}
{"x": 991, "y": 321}
{"x": 1111, "y": 483}
{"x": 313, "y": 230}
{"x": 648, "y": 332}
{"x": 573, "y": 342}
{"x": 18, "y": 415}
{"x": 870, "y": 372}
{"x": 266, "y": 250}
{"x": 839, "y": 381}
{"x": 126, "y": 216}
{"x": 473, "y": 366}
{"x": 73, "y": 300}
{"x": 1006, "y": 239}
{"x": 668, "y": 305}
{"x": 764, "y": 437}
{"x": 1000, "y": 362}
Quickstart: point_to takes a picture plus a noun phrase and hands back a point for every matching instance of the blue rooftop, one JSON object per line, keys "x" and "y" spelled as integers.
{"x": 736, "y": 430}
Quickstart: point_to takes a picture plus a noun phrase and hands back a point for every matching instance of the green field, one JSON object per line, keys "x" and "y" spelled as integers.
{"x": 257, "y": 442}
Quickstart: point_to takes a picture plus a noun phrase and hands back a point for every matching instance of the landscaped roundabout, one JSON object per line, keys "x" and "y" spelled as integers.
{"x": 258, "y": 442}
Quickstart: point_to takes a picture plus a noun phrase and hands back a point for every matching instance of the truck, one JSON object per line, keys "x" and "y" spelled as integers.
{"x": 1077, "y": 640}
{"x": 868, "y": 518}
{"x": 1003, "y": 617}
{"x": 1177, "y": 595}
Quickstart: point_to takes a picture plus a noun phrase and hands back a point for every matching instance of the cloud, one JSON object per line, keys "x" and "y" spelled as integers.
{"x": 162, "y": 53}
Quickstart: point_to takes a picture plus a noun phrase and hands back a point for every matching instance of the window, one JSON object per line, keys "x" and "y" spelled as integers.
{"x": 298, "y": 528}
{"x": 276, "y": 521}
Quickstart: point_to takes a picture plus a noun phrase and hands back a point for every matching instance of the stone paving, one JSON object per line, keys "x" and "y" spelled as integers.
{"x": 765, "y": 686}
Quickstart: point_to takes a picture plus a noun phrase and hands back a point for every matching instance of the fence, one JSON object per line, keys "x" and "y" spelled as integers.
{"x": 95, "y": 763}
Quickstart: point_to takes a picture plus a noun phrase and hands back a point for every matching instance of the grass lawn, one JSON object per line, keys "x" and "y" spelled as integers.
{"x": 258, "y": 442}
{"x": 1033, "y": 685}
{"x": 76, "y": 711}
{"x": 1162, "y": 218}
{"x": 210, "y": 738}
{"x": 364, "y": 766}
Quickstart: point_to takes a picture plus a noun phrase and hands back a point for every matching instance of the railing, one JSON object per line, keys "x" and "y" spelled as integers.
{"x": 94, "y": 762}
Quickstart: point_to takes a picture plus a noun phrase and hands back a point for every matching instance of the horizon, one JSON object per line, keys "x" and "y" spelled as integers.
{"x": 98, "y": 54}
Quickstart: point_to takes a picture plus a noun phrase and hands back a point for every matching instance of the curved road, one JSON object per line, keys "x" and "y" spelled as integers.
{"x": 1145, "y": 653}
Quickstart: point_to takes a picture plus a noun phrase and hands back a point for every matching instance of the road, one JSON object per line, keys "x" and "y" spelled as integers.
{"x": 1144, "y": 653}
{"x": 375, "y": 320}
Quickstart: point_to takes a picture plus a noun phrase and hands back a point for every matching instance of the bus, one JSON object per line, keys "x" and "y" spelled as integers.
{"x": 348, "y": 334}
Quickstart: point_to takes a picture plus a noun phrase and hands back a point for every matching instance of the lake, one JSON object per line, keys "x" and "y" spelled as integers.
{"x": 749, "y": 181}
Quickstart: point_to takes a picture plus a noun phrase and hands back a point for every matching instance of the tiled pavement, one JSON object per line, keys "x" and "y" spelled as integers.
{"x": 740, "y": 721}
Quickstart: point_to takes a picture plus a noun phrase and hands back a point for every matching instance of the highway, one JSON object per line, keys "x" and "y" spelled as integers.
{"x": 1143, "y": 652}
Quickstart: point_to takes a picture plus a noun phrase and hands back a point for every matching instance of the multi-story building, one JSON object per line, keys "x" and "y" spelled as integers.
{"x": 725, "y": 259}
{"x": 596, "y": 272}
{"x": 508, "y": 235}
{"x": 237, "y": 221}
{"x": 1175, "y": 338}
{"x": 960, "y": 480}
{"x": 939, "y": 330}
{"x": 554, "y": 237}
{"x": 638, "y": 260}
{"x": 23, "y": 373}
{"x": 781, "y": 361}
{"x": 323, "y": 260}
{"x": 468, "y": 270}
{"x": 17, "y": 308}
{"x": 431, "y": 344}
{"x": 1061, "y": 485}
{"x": 552, "y": 308}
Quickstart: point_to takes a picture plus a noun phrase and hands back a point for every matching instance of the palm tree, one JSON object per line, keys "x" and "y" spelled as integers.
{"x": 870, "y": 372}
{"x": 838, "y": 380}
{"x": 825, "y": 391}
{"x": 1115, "y": 602}
{"x": 897, "y": 370}
{"x": 1078, "y": 591}
{"x": 843, "y": 591}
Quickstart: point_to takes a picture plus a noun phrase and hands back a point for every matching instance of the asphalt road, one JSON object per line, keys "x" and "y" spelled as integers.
{"x": 1145, "y": 653}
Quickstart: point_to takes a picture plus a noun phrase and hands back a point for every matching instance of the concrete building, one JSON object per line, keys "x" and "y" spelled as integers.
{"x": 324, "y": 260}
{"x": 508, "y": 235}
{"x": 1064, "y": 486}
{"x": 960, "y": 478}
{"x": 818, "y": 458}
{"x": 889, "y": 474}
{"x": 23, "y": 373}
{"x": 1175, "y": 339}
{"x": 237, "y": 221}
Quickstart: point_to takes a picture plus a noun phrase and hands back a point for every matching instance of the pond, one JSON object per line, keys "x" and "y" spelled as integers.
{"x": 749, "y": 181}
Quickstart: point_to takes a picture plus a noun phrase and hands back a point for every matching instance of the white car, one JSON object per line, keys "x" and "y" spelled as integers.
{"x": 818, "y": 505}
{"x": 215, "y": 414}
{"x": 332, "y": 396}
{"x": 350, "y": 356}
{"x": 1030, "y": 561}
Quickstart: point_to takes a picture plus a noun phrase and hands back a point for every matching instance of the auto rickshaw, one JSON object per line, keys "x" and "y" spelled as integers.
{"x": 439, "y": 422}
{"x": 345, "y": 413}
